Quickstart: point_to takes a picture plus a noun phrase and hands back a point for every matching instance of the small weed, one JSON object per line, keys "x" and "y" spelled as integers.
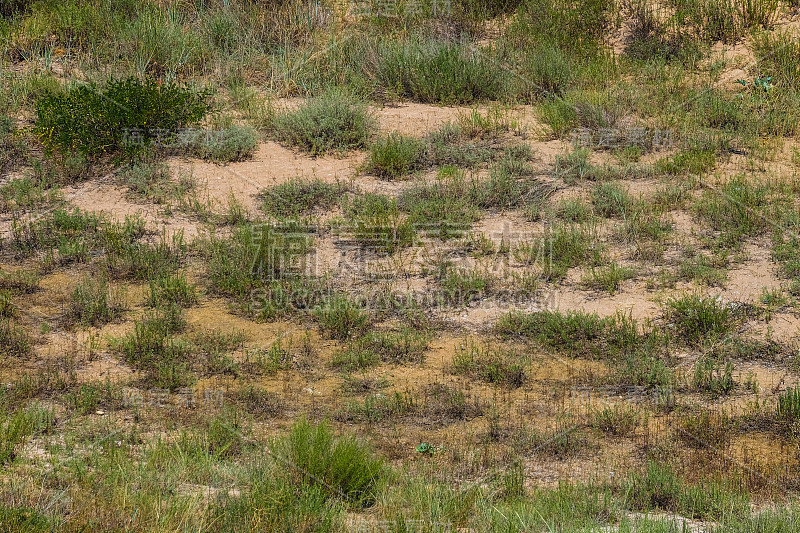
{"x": 171, "y": 289}
{"x": 496, "y": 366}
{"x": 151, "y": 347}
{"x": 93, "y": 303}
{"x": 712, "y": 377}
{"x": 617, "y": 420}
{"x": 611, "y": 200}
{"x": 608, "y": 278}
{"x": 227, "y": 145}
{"x": 378, "y": 224}
{"x": 341, "y": 318}
{"x": 395, "y": 156}
{"x": 14, "y": 341}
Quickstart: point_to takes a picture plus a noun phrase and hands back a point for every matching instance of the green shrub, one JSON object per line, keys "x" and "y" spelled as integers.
{"x": 334, "y": 121}
{"x": 400, "y": 346}
{"x": 578, "y": 333}
{"x": 568, "y": 246}
{"x": 171, "y": 289}
{"x": 692, "y": 161}
{"x": 85, "y": 400}
{"x": 18, "y": 426}
{"x": 258, "y": 401}
{"x": 142, "y": 261}
{"x": 73, "y": 234}
{"x": 789, "y": 403}
{"x": 13, "y": 7}
{"x": 23, "y": 518}
{"x": 573, "y": 166}
{"x": 13, "y": 149}
{"x": 712, "y": 377}
{"x": 697, "y": 319}
{"x": 575, "y": 27}
{"x": 376, "y": 408}
{"x": 547, "y": 71}
{"x": 720, "y": 20}
{"x": 709, "y": 270}
{"x": 354, "y": 358}
{"x": 655, "y": 39}
{"x": 573, "y": 210}
{"x": 736, "y": 208}
{"x": 611, "y": 200}
{"x": 505, "y": 190}
{"x": 644, "y": 370}
{"x": 453, "y": 146}
{"x": 341, "y": 467}
{"x": 299, "y": 197}
{"x": 7, "y": 307}
{"x": 777, "y": 56}
{"x": 262, "y": 266}
{"x": 461, "y": 285}
{"x": 377, "y": 223}
{"x": 660, "y": 488}
{"x": 405, "y": 345}
{"x": 618, "y": 420}
{"x": 608, "y": 278}
{"x": 28, "y": 192}
{"x": 395, "y": 156}
{"x": 481, "y": 10}
{"x": 112, "y": 119}
{"x": 442, "y": 208}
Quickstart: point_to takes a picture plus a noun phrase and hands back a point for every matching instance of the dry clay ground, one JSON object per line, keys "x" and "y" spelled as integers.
{"x": 555, "y": 386}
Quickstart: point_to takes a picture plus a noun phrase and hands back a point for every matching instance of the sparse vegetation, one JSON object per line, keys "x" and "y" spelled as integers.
{"x": 298, "y": 197}
{"x": 94, "y": 303}
{"x": 469, "y": 265}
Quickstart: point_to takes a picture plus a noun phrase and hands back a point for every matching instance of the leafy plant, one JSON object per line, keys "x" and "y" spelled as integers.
{"x": 429, "y": 449}
{"x": 119, "y": 117}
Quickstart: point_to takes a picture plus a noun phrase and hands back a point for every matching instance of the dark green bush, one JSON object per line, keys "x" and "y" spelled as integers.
{"x": 119, "y": 117}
